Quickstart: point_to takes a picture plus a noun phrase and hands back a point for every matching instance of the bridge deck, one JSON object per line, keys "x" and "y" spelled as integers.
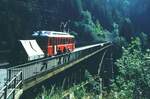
{"x": 40, "y": 70}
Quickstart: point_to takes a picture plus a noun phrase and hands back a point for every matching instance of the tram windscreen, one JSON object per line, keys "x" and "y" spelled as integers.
{"x": 42, "y": 42}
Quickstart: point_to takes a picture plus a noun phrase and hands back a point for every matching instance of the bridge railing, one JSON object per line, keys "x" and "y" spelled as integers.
{"x": 35, "y": 68}
{"x": 8, "y": 91}
{"x": 32, "y": 69}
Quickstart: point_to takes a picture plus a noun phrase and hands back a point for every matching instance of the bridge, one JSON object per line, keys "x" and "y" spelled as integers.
{"x": 22, "y": 77}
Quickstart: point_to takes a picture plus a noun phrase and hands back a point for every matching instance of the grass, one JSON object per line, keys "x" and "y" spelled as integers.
{"x": 85, "y": 90}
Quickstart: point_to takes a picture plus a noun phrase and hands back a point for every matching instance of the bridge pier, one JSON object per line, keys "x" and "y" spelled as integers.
{"x": 102, "y": 65}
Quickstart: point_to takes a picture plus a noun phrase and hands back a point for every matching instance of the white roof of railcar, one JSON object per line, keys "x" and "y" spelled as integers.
{"x": 52, "y": 34}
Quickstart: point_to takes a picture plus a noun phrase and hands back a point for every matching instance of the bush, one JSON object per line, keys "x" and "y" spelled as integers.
{"x": 133, "y": 79}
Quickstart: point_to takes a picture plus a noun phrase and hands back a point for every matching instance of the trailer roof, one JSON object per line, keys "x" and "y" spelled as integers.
{"x": 32, "y": 49}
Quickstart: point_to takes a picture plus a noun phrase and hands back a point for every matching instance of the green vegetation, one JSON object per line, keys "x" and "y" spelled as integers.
{"x": 91, "y": 88}
{"x": 98, "y": 29}
{"x": 133, "y": 79}
{"x": 86, "y": 27}
{"x": 76, "y": 92}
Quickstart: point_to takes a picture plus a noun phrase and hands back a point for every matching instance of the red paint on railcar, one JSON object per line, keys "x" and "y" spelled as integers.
{"x": 51, "y": 41}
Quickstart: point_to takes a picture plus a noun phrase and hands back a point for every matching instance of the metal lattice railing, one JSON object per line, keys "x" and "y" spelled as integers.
{"x": 9, "y": 90}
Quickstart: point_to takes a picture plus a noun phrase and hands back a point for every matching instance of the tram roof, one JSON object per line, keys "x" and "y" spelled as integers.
{"x": 52, "y": 34}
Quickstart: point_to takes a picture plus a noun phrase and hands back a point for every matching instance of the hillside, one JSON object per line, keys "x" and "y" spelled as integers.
{"x": 18, "y": 19}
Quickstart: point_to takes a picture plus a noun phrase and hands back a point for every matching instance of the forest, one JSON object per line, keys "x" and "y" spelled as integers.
{"x": 123, "y": 22}
{"x": 18, "y": 19}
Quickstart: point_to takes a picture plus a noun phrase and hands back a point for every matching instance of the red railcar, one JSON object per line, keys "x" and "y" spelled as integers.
{"x": 51, "y": 41}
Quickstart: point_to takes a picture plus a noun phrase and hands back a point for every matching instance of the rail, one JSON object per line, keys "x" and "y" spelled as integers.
{"x": 9, "y": 90}
{"x": 32, "y": 69}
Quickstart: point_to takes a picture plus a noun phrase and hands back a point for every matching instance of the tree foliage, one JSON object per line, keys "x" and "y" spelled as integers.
{"x": 133, "y": 79}
{"x": 85, "y": 26}
{"x": 98, "y": 29}
{"x": 18, "y": 19}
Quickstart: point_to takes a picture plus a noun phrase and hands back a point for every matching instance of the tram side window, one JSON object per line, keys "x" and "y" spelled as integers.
{"x": 60, "y": 40}
{"x": 49, "y": 42}
{"x": 71, "y": 40}
{"x": 66, "y": 40}
{"x": 52, "y": 39}
{"x": 63, "y": 40}
{"x": 57, "y": 40}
